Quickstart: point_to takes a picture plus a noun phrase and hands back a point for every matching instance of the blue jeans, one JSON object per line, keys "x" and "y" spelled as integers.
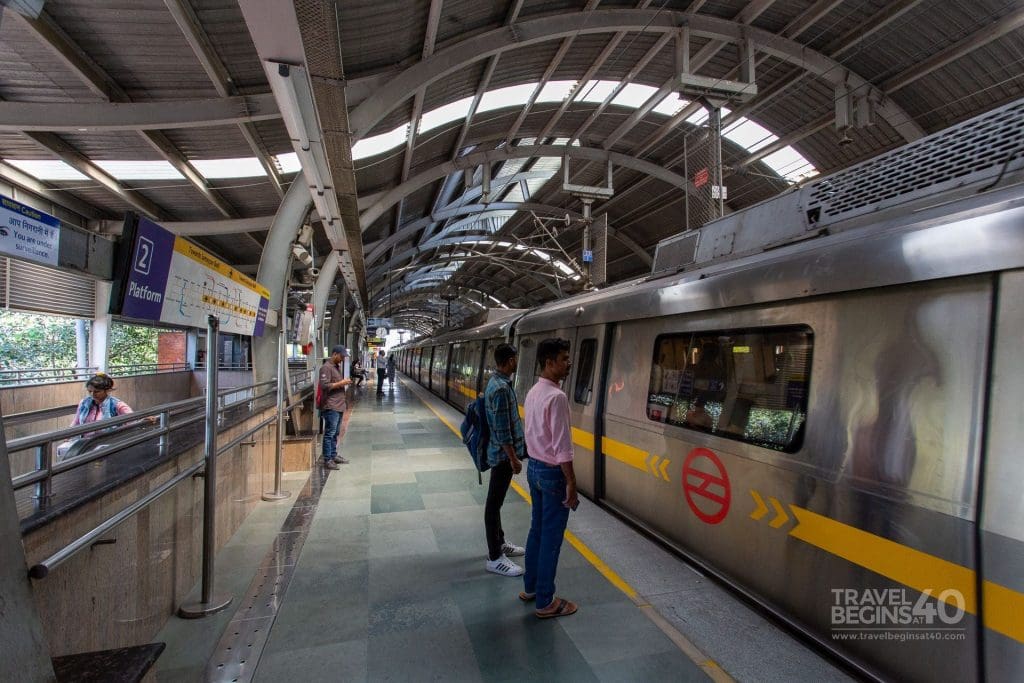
{"x": 332, "y": 421}
{"x": 547, "y": 526}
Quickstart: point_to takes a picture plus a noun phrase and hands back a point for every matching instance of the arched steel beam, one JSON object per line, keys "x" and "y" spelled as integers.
{"x": 477, "y": 280}
{"x": 108, "y": 116}
{"x": 445, "y": 241}
{"x": 410, "y": 229}
{"x": 510, "y": 285}
{"x": 275, "y": 264}
{"x": 554, "y": 27}
{"x": 425, "y": 294}
{"x": 424, "y": 178}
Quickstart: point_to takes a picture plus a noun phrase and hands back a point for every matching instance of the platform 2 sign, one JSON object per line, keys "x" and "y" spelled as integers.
{"x": 170, "y": 280}
{"x": 28, "y": 233}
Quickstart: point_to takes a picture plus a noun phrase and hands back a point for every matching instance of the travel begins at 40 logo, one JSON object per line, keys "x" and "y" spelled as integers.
{"x": 893, "y": 614}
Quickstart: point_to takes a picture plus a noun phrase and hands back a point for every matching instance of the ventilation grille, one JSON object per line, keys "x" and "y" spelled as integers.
{"x": 960, "y": 155}
{"x": 38, "y": 289}
{"x": 675, "y": 252}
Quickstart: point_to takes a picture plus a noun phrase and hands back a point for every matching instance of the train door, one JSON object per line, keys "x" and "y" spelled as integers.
{"x": 1002, "y": 517}
{"x": 428, "y": 354}
{"x": 583, "y": 390}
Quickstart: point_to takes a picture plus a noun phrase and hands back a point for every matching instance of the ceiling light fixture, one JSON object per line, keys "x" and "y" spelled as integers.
{"x": 294, "y": 95}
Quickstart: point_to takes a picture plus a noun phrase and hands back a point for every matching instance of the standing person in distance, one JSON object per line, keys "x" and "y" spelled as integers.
{"x": 392, "y": 367}
{"x": 551, "y": 476}
{"x": 382, "y": 371}
{"x": 332, "y": 384}
{"x": 504, "y": 453}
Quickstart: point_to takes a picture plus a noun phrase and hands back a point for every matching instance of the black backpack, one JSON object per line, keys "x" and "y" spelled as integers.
{"x": 476, "y": 434}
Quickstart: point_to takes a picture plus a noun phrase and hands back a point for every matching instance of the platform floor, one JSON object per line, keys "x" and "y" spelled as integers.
{"x": 376, "y": 572}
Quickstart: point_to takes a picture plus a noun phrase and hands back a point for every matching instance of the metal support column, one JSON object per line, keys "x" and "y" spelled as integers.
{"x": 282, "y": 400}
{"x": 209, "y": 604}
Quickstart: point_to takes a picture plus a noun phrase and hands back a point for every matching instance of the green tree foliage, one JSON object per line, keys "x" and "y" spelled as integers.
{"x": 36, "y": 341}
{"x": 29, "y": 341}
{"x": 133, "y": 344}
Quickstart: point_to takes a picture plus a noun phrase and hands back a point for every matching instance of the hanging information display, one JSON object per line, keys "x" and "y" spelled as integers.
{"x": 168, "y": 279}
{"x": 28, "y": 233}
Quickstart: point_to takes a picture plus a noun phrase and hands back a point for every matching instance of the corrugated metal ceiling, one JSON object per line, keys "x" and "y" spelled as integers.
{"x": 141, "y": 49}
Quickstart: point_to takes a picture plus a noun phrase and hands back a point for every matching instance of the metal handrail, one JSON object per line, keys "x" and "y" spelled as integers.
{"x": 147, "y": 368}
{"x": 41, "y": 569}
{"x": 30, "y": 416}
{"x": 43, "y": 375}
{"x": 43, "y": 444}
{"x": 301, "y": 380}
{"x": 246, "y": 367}
{"x": 23, "y": 376}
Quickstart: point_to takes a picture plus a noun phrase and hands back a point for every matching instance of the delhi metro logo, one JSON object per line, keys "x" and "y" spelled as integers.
{"x": 706, "y": 486}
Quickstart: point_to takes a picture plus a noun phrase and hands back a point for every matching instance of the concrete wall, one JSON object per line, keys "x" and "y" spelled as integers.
{"x": 140, "y": 392}
{"x": 121, "y": 594}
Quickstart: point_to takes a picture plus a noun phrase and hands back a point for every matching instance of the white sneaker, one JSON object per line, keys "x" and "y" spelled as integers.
{"x": 504, "y": 566}
{"x": 512, "y": 550}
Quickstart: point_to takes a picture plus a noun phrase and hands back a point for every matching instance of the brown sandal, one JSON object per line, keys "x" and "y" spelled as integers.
{"x": 562, "y": 608}
{"x": 527, "y": 597}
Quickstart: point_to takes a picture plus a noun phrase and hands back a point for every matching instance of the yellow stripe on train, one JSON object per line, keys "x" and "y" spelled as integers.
{"x": 900, "y": 563}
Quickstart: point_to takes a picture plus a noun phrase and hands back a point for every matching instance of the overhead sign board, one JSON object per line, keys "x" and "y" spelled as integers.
{"x": 378, "y": 322}
{"x": 170, "y": 280}
{"x": 28, "y": 233}
{"x": 375, "y": 341}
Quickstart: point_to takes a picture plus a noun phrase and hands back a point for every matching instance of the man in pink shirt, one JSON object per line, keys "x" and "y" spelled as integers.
{"x": 551, "y": 477}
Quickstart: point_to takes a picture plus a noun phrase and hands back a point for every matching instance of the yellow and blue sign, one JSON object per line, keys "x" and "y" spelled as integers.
{"x": 171, "y": 280}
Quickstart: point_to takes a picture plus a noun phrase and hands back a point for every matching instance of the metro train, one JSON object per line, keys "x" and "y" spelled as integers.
{"x": 830, "y": 424}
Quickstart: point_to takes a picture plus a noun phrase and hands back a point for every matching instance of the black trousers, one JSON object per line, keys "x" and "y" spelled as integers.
{"x": 501, "y": 477}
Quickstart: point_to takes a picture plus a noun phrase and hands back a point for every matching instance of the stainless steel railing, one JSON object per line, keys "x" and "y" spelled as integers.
{"x": 25, "y": 376}
{"x": 146, "y": 368}
{"x": 135, "y": 431}
{"x": 130, "y": 425}
{"x": 44, "y": 375}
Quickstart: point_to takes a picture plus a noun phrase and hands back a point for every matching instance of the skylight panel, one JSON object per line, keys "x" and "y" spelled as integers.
{"x": 506, "y": 97}
{"x": 140, "y": 170}
{"x": 515, "y": 194}
{"x": 671, "y": 105}
{"x": 378, "y": 144}
{"x": 46, "y": 169}
{"x": 445, "y": 114}
{"x": 698, "y": 117}
{"x": 749, "y": 135}
{"x": 790, "y": 164}
{"x": 288, "y": 163}
{"x": 534, "y": 184}
{"x": 213, "y": 169}
{"x": 634, "y": 95}
{"x": 555, "y": 91}
{"x": 596, "y": 91}
{"x": 549, "y": 164}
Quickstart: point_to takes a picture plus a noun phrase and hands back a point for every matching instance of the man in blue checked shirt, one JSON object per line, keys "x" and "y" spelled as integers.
{"x": 504, "y": 453}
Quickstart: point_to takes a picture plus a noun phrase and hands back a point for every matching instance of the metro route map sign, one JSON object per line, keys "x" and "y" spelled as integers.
{"x": 165, "y": 278}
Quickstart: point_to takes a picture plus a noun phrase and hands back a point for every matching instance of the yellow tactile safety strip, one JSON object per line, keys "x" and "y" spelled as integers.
{"x": 709, "y": 666}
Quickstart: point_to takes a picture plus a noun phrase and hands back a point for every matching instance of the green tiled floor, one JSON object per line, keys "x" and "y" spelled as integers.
{"x": 391, "y": 585}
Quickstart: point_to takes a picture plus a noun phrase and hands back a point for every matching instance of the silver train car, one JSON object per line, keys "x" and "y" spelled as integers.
{"x": 829, "y": 423}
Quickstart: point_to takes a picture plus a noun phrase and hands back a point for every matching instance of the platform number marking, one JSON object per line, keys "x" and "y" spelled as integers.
{"x": 144, "y": 255}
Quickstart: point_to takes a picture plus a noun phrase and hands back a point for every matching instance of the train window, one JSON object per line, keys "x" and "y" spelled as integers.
{"x": 748, "y": 384}
{"x": 585, "y": 371}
